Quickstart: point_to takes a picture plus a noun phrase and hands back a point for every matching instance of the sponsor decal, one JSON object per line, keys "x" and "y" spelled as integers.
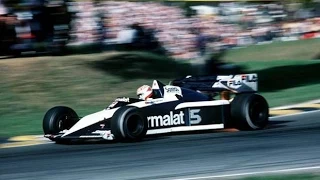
{"x": 172, "y": 89}
{"x": 153, "y": 101}
{"x": 234, "y": 83}
{"x": 123, "y": 99}
{"x": 237, "y": 81}
{"x": 170, "y": 119}
{"x": 250, "y": 78}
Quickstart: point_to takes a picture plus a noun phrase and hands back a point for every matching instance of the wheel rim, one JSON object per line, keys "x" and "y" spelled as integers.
{"x": 258, "y": 113}
{"x": 135, "y": 125}
{"x": 60, "y": 124}
{"x": 63, "y": 122}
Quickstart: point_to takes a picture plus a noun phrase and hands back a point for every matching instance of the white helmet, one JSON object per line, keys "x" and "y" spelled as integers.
{"x": 144, "y": 92}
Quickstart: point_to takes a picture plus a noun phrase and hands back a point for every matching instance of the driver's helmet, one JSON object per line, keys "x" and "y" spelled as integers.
{"x": 144, "y": 92}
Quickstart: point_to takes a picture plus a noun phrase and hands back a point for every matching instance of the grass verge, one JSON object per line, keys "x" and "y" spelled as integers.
{"x": 293, "y": 50}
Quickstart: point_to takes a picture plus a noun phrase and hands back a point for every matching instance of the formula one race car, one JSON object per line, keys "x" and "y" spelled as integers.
{"x": 187, "y": 104}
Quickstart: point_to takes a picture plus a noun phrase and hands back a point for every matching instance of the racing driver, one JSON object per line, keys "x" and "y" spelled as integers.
{"x": 144, "y": 92}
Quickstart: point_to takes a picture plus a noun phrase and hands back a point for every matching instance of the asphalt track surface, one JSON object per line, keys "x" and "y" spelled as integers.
{"x": 290, "y": 142}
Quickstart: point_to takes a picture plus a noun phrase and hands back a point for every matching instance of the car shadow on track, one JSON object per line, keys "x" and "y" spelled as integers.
{"x": 101, "y": 141}
{"x": 277, "y": 124}
{"x": 274, "y": 124}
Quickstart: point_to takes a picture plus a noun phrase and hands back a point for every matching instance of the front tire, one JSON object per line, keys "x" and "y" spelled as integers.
{"x": 249, "y": 112}
{"x": 57, "y": 119}
{"x": 129, "y": 124}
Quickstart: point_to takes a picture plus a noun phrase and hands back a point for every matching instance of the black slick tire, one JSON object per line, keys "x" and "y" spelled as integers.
{"x": 58, "y": 119}
{"x": 249, "y": 112}
{"x": 129, "y": 124}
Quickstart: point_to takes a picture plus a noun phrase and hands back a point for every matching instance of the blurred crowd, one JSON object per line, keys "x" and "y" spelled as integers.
{"x": 180, "y": 33}
{"x": 33, "y": 26}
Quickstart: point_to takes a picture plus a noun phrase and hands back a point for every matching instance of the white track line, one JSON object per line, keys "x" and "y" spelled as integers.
{"x": 296, "y": 105}
{"x": 299, "y": 113}
{"x": 253, "y": 173}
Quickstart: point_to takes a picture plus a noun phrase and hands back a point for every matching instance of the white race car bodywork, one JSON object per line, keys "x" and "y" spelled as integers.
{"x": 108, "y": 113}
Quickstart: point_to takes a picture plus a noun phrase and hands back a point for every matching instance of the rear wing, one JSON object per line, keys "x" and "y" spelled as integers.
{"x": 235, "y": 83}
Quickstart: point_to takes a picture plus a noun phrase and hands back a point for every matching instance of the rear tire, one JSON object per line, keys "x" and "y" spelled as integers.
{"x": 57, "y": 119}
{"x": 249, "y": 112}
{"x": 128, "y": 124}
